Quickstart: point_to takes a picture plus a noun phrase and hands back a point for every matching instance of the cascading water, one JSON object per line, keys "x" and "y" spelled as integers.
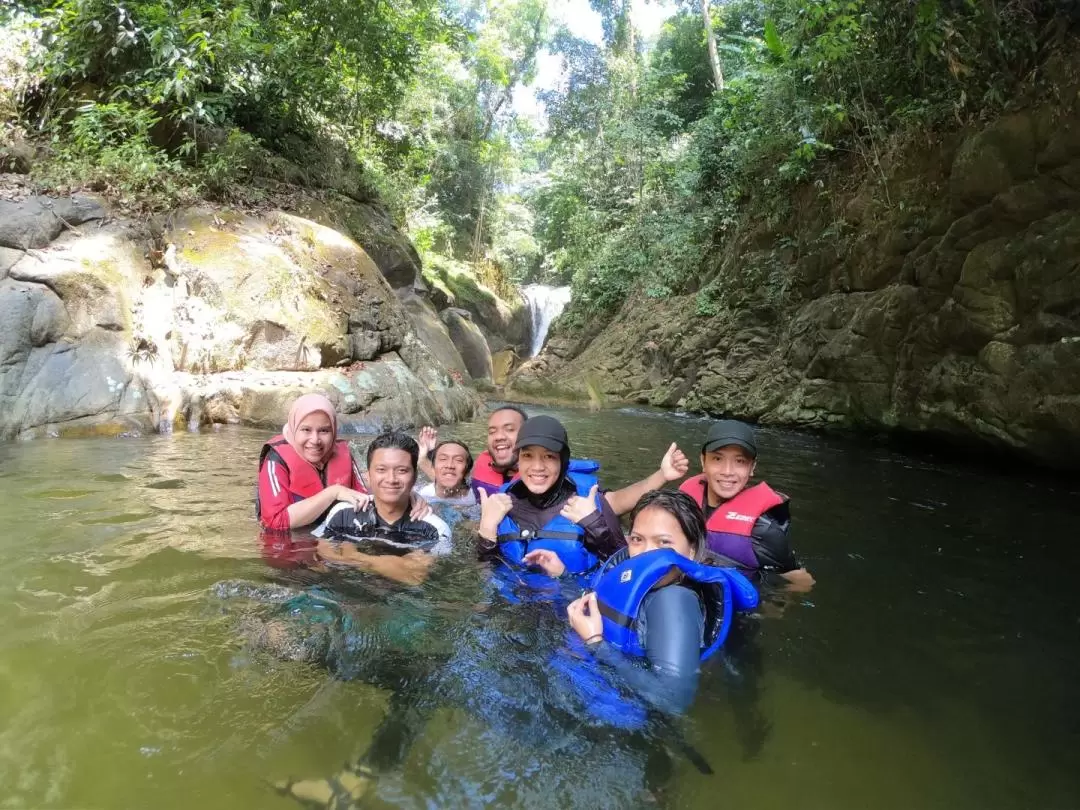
{"x": 545, "y": 305}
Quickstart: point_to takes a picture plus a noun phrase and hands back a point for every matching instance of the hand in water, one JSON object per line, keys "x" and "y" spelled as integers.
{"x": 546, "y": 561}
{"x": 578, "y": 508}
{"x": 674, "y": 464}
{"x": 584, "y": 615}
{"x": 428, "y": 438}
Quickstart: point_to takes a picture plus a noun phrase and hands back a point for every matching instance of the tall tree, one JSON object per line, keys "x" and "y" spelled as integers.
{"x": 710, "y": 37}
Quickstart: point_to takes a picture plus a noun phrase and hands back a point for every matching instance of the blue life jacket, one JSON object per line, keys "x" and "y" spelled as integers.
{"x": 623, "y": 582}
{"x": 560, "y": 535}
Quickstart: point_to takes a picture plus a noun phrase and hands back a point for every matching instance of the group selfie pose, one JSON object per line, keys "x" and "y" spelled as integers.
{"x": 648, "y": 603}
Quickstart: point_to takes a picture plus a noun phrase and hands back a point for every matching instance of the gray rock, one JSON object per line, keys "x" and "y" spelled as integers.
{"x": 431, "y": 332}
{"x": 46, "y": 381}
{"x": 9, "y": 257}
{"x": 93, "y": 339}
{"x": 470, "y": 342}
{"x": 36, "y": 221}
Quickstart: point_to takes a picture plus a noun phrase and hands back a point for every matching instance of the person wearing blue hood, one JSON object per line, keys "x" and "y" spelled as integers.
{"x": 550, "y": 516}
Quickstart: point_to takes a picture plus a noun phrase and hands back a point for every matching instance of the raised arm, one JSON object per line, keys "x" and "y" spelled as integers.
{"x": 673, "y": 466}
{"x": 428, "y": 438}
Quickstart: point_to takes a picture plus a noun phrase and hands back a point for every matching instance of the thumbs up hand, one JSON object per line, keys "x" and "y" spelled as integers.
{"x": 493, "y": 508}
{"x": 576, "y": 508}
{"x": 674, "y": 465}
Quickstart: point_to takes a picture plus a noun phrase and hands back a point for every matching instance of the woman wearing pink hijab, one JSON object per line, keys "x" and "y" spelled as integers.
{"x": 307, "y": 469}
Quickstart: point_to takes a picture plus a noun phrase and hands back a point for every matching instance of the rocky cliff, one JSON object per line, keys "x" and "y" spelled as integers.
{"x": 215, "y": 315}
{"x": 940, "y": 295}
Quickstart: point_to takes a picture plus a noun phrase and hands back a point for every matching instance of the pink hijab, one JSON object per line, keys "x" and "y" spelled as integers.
{"x": 304, "y": 407}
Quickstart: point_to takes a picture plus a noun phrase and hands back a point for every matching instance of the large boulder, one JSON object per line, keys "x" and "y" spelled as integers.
{"x": 431, "y": 332}
{"x": 36, "y": 221}
{"x": 278, "y": 293}
{"x": 224, "y": 318}
{"x": 48, "y": 375}
{"x": 470, "y": 342}
{"x": 372, "y": 228}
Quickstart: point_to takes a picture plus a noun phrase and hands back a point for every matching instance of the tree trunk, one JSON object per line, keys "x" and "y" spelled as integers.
{"x": 714, "y": 57}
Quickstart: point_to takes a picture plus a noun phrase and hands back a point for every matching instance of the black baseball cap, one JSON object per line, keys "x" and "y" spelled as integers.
{"x": 729, "y": 432}
{"x": 545, "y": 431}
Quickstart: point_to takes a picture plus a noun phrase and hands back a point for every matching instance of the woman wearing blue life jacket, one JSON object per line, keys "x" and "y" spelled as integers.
{"x": 550, "y": 516}
{"x": 662, "y": 599}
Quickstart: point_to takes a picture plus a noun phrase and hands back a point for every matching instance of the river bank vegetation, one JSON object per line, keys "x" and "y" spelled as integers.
{"x": 652, "y": 149}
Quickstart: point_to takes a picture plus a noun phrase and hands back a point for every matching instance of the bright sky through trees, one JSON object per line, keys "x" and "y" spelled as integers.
{"x": 583, "y": 22}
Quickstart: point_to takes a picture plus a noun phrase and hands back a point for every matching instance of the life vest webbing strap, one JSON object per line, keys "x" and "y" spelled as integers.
{"x": 530, "y": 535}
{"x": 613, "y": 615}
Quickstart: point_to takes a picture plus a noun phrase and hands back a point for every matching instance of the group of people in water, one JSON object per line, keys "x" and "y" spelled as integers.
{"x": 650, "y": 604}
{"x": 541, "y": 512}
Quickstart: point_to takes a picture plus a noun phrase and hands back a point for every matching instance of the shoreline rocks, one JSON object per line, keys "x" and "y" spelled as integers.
{"x": 222, "y": 318}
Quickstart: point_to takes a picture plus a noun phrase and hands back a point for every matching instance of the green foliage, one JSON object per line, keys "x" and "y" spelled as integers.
{"x": 271, "y": 67}
{"x": 655, "y": 171}
{"x": 109, "y": 149}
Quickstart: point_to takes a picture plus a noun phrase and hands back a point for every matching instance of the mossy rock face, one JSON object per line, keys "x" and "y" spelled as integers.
{"x": 226, "y": 317}
{"x": 953, "y": 310}
{"x": 371, "y": 227}
{"x": 505, "y": 324}
{"x": 290, "y": 294}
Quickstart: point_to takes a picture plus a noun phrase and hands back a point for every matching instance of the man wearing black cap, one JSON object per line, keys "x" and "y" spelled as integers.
{"x": 550, "y": 516}
{"x": 746, "y": 524}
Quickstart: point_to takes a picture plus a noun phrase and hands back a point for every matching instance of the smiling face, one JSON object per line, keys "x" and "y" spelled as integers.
{"x": 450, "y": 463}
{"x": 503, "y": 427}
{"x": 392, "y": 477}
{"x": 656, "y": 528}
{"x": 727, "y": 470}
{"x": 539, "y": 468}
{"x": 315, "y": 437}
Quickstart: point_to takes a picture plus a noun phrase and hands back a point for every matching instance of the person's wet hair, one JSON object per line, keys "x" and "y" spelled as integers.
{"x": 394, "y": 440}
{"x": 683, "y": 508}
{"x": 519, "y": 411}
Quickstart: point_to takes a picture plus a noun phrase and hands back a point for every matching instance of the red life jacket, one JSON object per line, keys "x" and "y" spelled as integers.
{"x": 486, "y": 477}
{"x": 304, "y": 479}
{"x": 730, "y": 526}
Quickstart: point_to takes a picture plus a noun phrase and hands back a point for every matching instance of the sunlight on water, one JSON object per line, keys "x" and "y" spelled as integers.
{"x": 932, "y": 666}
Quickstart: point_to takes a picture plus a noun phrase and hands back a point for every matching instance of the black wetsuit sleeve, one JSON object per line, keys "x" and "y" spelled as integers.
{"x": 771, "y": 543}
{"x": 603, "y": 533}
{"x": 672, "y": 624}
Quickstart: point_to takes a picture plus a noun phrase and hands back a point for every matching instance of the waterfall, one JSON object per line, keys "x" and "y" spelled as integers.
{"x": 545, "y": 304}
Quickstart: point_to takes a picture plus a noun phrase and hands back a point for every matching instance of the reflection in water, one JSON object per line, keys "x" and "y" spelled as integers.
{"x": 932, "y": 666}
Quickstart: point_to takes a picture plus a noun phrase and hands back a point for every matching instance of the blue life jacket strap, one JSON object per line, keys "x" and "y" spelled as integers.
{"x": 613, "y": 615}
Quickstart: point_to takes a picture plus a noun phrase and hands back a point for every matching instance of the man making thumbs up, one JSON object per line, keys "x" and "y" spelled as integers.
{"x": 551, "y": 516}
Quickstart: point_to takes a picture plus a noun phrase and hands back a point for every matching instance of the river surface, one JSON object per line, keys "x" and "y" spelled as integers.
{"x": 934, "y": 665}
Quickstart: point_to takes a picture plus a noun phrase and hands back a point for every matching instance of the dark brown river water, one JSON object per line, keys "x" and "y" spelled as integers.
{"x": 934, "y": 665}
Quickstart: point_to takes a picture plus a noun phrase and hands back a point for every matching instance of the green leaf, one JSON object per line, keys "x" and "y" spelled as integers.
{"x": 773, "y": 41}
